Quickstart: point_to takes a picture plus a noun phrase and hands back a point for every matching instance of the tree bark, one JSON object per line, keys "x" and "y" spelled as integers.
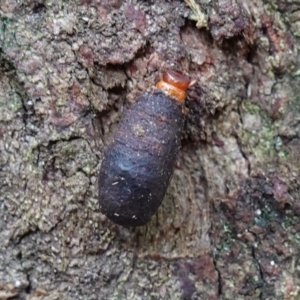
{"x": 229, "y": 225}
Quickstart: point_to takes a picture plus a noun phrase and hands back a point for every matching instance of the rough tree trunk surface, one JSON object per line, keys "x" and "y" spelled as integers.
{"x": 229, "y": 225}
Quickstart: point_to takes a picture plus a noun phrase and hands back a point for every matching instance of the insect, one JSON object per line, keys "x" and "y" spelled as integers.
{"x": 139, "y": 162}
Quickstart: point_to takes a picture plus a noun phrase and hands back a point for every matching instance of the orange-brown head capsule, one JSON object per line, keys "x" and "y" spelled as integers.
{"x": 174, "y": 84}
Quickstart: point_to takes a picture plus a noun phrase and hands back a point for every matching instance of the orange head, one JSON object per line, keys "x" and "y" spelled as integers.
{"x": 174, "y": 84}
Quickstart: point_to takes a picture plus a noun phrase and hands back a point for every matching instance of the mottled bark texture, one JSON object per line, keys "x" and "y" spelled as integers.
{"x": 137, "y": 166}
{"x": 228, "y": 227}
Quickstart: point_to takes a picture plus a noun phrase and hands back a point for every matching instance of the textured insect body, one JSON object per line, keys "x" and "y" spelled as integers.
{"x": 138, "y": 164}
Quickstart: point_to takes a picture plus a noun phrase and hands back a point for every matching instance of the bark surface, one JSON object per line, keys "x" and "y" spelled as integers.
{"x": 228, "y": 227}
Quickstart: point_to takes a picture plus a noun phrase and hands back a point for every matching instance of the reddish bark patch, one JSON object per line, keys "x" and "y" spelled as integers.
{"x": 136, "y": 16}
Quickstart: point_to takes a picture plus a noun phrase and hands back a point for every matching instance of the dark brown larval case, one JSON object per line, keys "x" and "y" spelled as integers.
{"x": 138, "y": 164}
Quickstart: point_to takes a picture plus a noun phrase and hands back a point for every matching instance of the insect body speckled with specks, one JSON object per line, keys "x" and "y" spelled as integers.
{"x": 139, "y": 162}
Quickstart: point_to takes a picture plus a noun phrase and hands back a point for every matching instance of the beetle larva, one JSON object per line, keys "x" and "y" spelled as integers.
{"x": 139, "y": 162}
